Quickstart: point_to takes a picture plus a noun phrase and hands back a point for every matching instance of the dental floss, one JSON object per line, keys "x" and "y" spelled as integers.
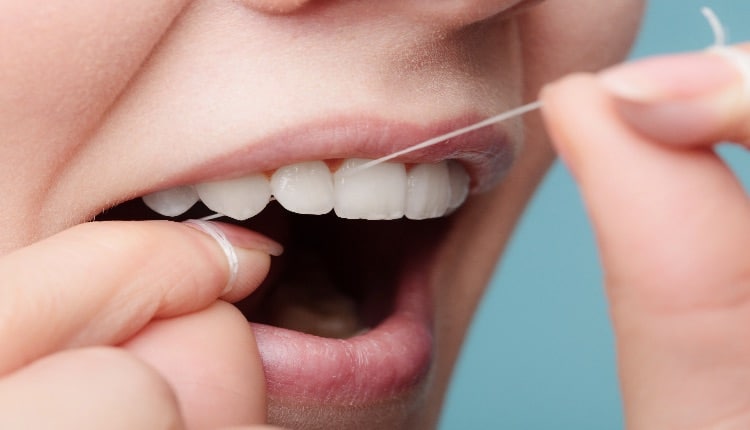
{"x": 212, "y": 217}
{"x": 439, "y": 139}
{"x": 720, "y": 32}
{"x": 739, "y": 59}
{"x": 225, "y": 245}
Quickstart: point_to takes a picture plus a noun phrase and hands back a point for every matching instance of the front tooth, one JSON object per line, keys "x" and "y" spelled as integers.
{"x": 375, "y": 193}
{"x": 239, "y": 198}
{"x": 428, "y": 191}
{"x": 172, "y": 202}
{"x": 459, "y": 184}
{"x": 305, "y": 188}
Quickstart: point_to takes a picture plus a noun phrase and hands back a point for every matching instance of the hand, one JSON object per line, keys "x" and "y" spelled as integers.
{"x": 119, "y": 325}
{"x": 673, "y": 228}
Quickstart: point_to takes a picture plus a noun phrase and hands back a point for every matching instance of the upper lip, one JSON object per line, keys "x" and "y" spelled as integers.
{"x": 486, "y": 154}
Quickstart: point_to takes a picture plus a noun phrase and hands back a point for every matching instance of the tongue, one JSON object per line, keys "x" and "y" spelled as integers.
{"x": 315, "y": 307}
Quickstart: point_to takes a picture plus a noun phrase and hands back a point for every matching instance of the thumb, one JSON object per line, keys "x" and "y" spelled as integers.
{"x": 687, "y": 100}
{"x": 672, "y": 224}
{"x": 99, "y": 283}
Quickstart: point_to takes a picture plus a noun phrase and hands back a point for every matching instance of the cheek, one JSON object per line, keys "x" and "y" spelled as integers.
{"x": 63, "y": 63}
{"x": 566, "y": 36}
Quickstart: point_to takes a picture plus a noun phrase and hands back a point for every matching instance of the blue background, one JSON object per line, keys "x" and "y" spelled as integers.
{"x": 540, "y": 354}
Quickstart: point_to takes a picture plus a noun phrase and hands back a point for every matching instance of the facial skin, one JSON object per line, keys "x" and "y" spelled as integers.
{"x": 101, "y": 102}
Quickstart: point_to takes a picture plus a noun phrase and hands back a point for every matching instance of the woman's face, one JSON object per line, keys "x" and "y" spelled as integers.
{"x": 102, "y": 102}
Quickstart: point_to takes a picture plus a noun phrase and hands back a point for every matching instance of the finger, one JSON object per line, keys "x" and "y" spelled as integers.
{"x": 655, "y": 208}
{"x": 94, "y": 388}
{"x": 212, "y": 363}
{"x": 99, "y": 283}
{"x": 671, "y": 224}
{"x": 687, "y": 99}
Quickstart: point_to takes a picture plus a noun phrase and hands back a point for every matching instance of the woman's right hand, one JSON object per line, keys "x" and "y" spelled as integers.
{"x": 124, "y": 325}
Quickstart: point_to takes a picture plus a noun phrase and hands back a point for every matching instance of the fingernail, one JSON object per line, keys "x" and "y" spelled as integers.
{"x": 670, "y": 78}
{"x": 249, "y": 239}
{"x": 228, "y": 237}
{"x": 678, "y": 98}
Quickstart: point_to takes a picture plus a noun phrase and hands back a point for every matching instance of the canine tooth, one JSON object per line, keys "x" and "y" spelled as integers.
{"x": 459, "y": 184}
{"x": 305, "y": 188}
{"x": 239, "y": 198}
{"x": 428, "y": 191}
{"x": 172, "y": 202}
{"x": 375, "y": 193}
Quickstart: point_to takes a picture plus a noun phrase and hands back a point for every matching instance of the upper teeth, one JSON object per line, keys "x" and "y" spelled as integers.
{"x": 385, "y": 191}
{"x": 238, "y": 198}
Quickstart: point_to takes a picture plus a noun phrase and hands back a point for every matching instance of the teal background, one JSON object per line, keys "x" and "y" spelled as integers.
{"x": 540, "y": 354}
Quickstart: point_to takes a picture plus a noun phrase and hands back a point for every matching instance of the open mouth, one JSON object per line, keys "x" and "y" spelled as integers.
{"x": 344, "y": 318}
{"x": 343, "y": 286}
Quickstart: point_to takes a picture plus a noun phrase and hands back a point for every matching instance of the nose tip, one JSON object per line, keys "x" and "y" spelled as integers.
{"x": 276, "y": 6}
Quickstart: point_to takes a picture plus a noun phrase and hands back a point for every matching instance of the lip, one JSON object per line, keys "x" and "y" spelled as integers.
{"x": 486, "y": 153}
{"x": 394, "y": 358}
{"x": 389, "y": 360}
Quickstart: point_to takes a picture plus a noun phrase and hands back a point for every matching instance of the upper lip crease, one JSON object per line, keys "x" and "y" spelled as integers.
{"x": 486, "y": 154}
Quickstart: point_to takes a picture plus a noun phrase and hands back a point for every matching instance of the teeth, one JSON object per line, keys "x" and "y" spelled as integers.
{"x": 459, "y": 180}
{"x": 239, "y": 198}
{"x": 385, "y": 191}
{"x": 173, "y": 202}
{"x": 428, "y": 191}
{"x": 375, "y": 193}
{"x": 305, "y": 188}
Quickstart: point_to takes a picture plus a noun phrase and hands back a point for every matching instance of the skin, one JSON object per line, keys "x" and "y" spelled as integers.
{"x": 676, "y": 273}
{"x": 86, "y": 89}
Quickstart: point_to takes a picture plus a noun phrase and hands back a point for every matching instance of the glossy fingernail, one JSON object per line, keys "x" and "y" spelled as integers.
{"x": 249, "y": 239}
{"x": 670, "y": 78}
{"x": 678, "y": 99}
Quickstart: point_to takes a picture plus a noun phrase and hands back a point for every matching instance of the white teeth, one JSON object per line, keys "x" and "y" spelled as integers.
{"x": 428, "y": 191}
{"x": 172, "y": 202}
{"x": 305, "y": 188}
{"x": 239, "y": 198}
{"x": 460, "y": 181}
{"x": 384, "y": 191}
{"x": 375, "y": 193}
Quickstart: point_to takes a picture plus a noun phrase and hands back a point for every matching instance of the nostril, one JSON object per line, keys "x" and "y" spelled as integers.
{"x": 276, "y": 6}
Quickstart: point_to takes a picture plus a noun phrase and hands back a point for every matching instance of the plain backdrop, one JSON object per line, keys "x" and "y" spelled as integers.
{"x": 540, "y": 353}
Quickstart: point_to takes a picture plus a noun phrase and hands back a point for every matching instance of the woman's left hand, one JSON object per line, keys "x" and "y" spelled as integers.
{"x": 673, "y": 228}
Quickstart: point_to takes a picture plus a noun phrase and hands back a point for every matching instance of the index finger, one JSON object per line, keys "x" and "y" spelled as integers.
{"x": 99, "y": 283}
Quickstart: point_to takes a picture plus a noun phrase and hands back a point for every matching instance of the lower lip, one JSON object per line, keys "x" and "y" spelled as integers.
{"x": 389, "y": 360}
